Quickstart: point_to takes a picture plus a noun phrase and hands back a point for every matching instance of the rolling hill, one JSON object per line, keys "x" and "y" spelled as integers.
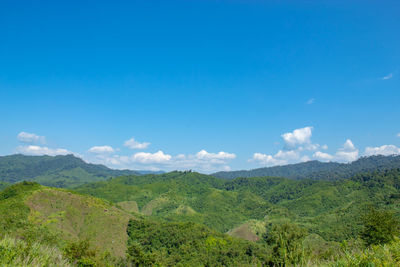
{"x": 317, "y": 170}
{"x": 44, "y": 226}
{"x": 331, "y": 209}
{"x": 58, "y": 171}
{"x": 59, "y": 217}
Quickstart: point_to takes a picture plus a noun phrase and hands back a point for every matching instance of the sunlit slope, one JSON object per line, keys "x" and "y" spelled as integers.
{"x": 34, "y": 212}
{"x": 182, "y": 196}
{"x": 332, "y": 209}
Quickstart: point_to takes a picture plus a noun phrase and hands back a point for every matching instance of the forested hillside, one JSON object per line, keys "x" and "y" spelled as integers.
{"x": 316, "y": 170}
{"x": 331, "y": 209}
{"x": 191, "y": 219}
{"x": 43, "y": 226}
{"x": 58, "y": 171}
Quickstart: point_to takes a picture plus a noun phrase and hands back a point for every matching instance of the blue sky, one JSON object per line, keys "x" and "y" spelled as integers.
{"x": 204, "y": 85}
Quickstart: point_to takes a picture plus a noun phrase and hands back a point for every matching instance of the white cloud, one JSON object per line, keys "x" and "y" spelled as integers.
{"x": 31, "y": 138}
{"x": 147, "y": 158}
{"x": 398, "y": 135}
{"x": 202, "y": 154}
{"x": 311, "y": 101}
{"x": 387, "y": 77}
{"x": 281, "y": 158}
{"x": 305, "y": 158}
{"x": 324, "y": 147}
{"x": 101, "y": 149}
{"x": 322, "y": 156}
{"x": 287, "y": 155}
{"x": 202, "y": 161}
{"x": 133, "y": 144}
{"x": 385, "y": 150}
{"x": 296, "y": 142}
{"x": 347, "y": 153}
{"x": 267, "y": 160}
{"x": 41, "y": 150}
{"x": 298, "y": 137}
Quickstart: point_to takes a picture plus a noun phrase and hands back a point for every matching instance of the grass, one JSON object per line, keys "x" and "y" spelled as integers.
{"x": 15, "y": 252}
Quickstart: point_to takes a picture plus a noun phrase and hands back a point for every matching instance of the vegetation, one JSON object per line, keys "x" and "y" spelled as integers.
{"x": 58, "y": 171}
{"x": 316, "y": 170}
{"x": 19, "y": 253}
{"x": 57, "y": 217}
{"x": 191, "y": 219}
{"x": 188, "y": 244}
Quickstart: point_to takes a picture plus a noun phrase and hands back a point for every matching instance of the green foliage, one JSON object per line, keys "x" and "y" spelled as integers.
{"x": 19, "y": 253}
{"x": 286, "y": 241}
{"x": 59, "y": 218}
{"x": 182, "y": 196}
{"x": 316, "y": 170}
{"x": 3, "y": 185}
{"x": 331, "y": 209}
{"x": 375, "y": 255}
{"x": 80, "y": 253}
{"x": 188, "y": 244}
{"x": 59, "y": 171}
{"x": 380, "y": 227}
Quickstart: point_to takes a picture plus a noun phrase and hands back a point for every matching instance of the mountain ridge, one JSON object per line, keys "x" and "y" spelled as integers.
{"x": 57, "y": 171}
{"x": 317, "y": 170}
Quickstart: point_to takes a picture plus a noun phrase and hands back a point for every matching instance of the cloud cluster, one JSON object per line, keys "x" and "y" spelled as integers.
{"x": 347, "y": 153}
{"x": 101, "y": 149}
{"x": 41, "y": 150}
{"x": 387, "y": 77}
{"x": 31, "y": 138}
{"x": 298, "y": 147}
{"x": 296, "y": 142}
{"x": 385, "y": 150}
{"x": 33, "y": 145}
{"x": 201, "y": 161}
{"x": 133, "y": 144}
{"x": 298, "y": 137}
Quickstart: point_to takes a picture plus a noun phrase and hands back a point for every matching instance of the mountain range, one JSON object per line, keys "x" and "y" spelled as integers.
{"x": 317, "y": 170}
{"x": 58, "y": 171}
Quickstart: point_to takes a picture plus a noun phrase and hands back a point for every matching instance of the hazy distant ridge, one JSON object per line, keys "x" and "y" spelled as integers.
{"x": 317, "y": 170}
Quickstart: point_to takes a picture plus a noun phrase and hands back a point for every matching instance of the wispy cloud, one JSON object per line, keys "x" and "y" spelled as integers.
{"x": 31, "y": 138}
{"x": 42, "y": 150}
{"x": 387, "y": 77}
{"x": 101, "y": 149}
{"x": 133, "y": 144}
{"x": 311, "y": 101}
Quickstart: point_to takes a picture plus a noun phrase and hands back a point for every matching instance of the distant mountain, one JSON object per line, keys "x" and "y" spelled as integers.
{"x": 58, "y": 171}
{"x": 317, "y": 170}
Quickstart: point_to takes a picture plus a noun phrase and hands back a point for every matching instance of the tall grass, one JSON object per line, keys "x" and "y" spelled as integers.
{"x": 15, "y": 252}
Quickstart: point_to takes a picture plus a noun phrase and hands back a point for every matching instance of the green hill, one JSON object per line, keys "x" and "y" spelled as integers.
{"x": 289, "y": 222}
{"x": 58, "y": 171}
{"x": 331, "y": 209}
{"x": 316, "y": 170}
{"x": 182, "y": 196}
{"x": 58, "y": 217}
{"x": 43, "y": 226}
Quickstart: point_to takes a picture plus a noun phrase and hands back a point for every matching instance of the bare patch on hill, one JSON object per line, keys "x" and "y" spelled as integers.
{"x": 250, "y": 230}
{"x": 76, "y": 217}
{"x": 129, "y": 206}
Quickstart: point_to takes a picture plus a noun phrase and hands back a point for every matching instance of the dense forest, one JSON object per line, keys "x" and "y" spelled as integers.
{"x": 316, "y": 170}
{"x": 192, "y": 219}
{"x": 58, "y": 171}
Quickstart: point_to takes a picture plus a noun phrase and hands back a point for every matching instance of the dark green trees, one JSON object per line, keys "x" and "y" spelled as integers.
{"x": 380, "y": 227}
